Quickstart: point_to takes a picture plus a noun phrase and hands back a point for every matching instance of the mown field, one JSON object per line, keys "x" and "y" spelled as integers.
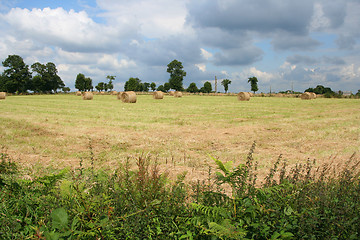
{"x": 179, "y": 133}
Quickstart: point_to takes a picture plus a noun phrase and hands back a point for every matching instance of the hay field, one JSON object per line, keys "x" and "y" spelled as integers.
{"x": 55, "y": 130}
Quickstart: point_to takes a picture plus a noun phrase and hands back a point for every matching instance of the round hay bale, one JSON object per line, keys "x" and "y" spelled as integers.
{"x": 2, "y": 95}
{"x": 243, "y": 96}
{"x": 114, "y": 93}
{"x": 128, "y": 97}
{"x": 312, "y": 95}
{"x": 118, "y": 96}
{"x": 88, "y": 96}
{"x": 178, "y": 94}
{"x": 78, "y": 93}
{"x": 251, "y": 94}
{"x": 171, "y": 93}
{"x": 158, "y": 95}
{"x": 305, "y": 96}
{"x": 102, "y": 93}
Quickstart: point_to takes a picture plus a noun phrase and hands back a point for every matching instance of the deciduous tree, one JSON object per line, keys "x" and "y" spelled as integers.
{"x": 177, "y": 74}
{"x": 153, "y": 86}
{"x": 192, "y": 88}
{"x": 16, "y": 76}
{"x": 253, "y": 82}
{"x": 207, "y": 88}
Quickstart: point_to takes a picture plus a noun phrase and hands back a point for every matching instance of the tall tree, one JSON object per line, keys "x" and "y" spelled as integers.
{"x": 177, "y": 74}
{"x": 161, "y": 88}
{"x": 100, "y": 86}
{"x": 253, "y": 82}
{"x": 110, "y": 83}
{"x": 153, "y": 86}
{"x": 192, "y": 88}
{"x": 16, "y": 77}
{"x": 47, "y": 79}
{"x": 226, "y": 83}
{"x": 167, "y": 86}
{"x": 133, "y": 84}
{"x": 146, "y": 86}
{"x": 88, "y": 84}
{"x": 53, "y": 78}
{"x": 80, "y": 82}
{"x": 207, "y": 88}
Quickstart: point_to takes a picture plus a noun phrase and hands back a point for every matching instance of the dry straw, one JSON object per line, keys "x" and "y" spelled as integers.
{"x": 88, "y": 96}
{"x": 118, "y": 95}
{"x": 2, "y": 95}
{"x": 128, "y": 97}
{"x": 178, "y": 94}
{"x": 243, "y": 96}
{"x": 78, "y": 93}
{"x": 114, "y": 93}
{"x": 313, "y": 95}
{"x": 171, "y": 93}
{"x": 251, "y": 94}
{"x": 306, "y": 96}
{"x": 158, "y": 95}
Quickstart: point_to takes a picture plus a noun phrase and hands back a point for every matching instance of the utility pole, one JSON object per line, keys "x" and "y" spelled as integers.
{"x": 215, "y": 85}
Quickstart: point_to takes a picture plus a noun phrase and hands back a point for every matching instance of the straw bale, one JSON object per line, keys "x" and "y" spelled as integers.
{"x": 178, "y": 94}
{"x": 313, "y": 95}
{"x": 119, "y": 95}
{"x": 171, "y": 93}
{"x": 251, "y": 94}
{"x": 114, "y": 93}
{"x": 158, "y": 95}
{"x": 243, "y": 96}
{"x": 2, "y": 95}
{"x": 78, "y": 93}
{"x": 88, "y": 96}
{"x": 305, "y": 96}
{"x": 128, "y": 97}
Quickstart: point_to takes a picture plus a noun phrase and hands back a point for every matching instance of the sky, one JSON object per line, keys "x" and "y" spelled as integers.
{"x": 287, "y": 45}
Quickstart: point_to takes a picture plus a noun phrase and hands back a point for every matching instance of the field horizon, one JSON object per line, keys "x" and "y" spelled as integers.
{"x": 178, "y": 133}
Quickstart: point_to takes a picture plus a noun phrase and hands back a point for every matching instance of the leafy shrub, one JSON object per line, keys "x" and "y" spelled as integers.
{"x": 300, "y": 202}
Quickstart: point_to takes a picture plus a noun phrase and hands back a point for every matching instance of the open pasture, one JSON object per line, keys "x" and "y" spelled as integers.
{"x": 57, "y": 130}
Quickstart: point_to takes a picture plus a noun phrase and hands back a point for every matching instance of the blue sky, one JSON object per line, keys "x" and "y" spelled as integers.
{"x": 282, "y": 43}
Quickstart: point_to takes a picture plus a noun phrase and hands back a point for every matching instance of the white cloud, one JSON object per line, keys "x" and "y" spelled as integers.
{"x": 74, "y": 31}
{"x": 206, "y": 54}
{"x": 154, "y": 19}
{"x": 201, "y": 66}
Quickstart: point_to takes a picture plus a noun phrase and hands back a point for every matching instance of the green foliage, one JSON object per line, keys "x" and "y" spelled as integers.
{"x": 302, "y": 202}
{"x": 320, "y": 90}
{"x": 167, "y": 86}
{"x": 192, "y": 88}
{"x": 83, "y": 83}
{"x": 226, "y": 83}
{"x": 177, "y": 74}
{"x": 110, "y": 84}
{"x": 153, "y": 86}
{"x": 16, "y": 76}
{"x": 134, "y": 84}
{"x": 253, "y": 82}
{"x": 207, "y": 88}
{"x": 161, "y": 88}
{"x": 100, "y": 86}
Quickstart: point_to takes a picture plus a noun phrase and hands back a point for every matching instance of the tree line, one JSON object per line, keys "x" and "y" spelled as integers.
{"x": 43, "y": 78}
{"x": 18, "y": 78}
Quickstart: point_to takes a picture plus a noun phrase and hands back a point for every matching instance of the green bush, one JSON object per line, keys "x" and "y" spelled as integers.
{"x": 301, "y": 202}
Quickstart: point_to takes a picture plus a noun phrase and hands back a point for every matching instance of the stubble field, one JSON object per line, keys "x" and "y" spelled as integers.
{"x": 56, "y": 131}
